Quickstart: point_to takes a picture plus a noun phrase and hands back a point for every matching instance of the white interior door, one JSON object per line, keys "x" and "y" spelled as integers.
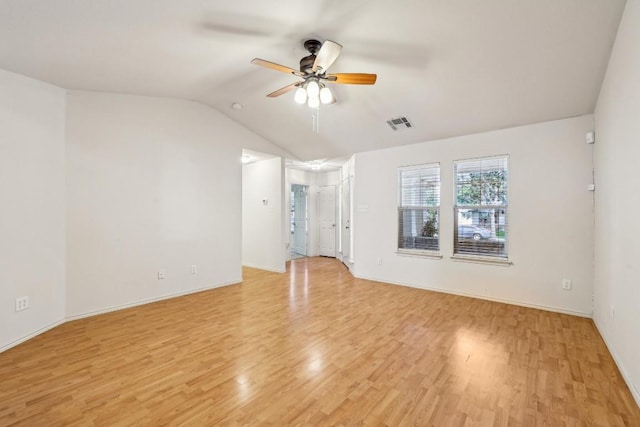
{"x": 299, "y": 237}
{"x": 346, "y": 220}
{"x": 328, "y": 221}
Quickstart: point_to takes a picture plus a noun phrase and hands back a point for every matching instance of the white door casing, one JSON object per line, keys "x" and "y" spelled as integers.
{"x": 299, "y": 237}
{"x": 346, "y": 219}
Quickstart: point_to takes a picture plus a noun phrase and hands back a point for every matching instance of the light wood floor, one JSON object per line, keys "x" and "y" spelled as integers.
{"x": 315, "y": 346}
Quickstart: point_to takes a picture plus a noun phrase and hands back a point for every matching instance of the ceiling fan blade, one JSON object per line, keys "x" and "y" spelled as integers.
{"x": 277, "y": 67}
{"x": 284, "y": 90}
{"x": 326, "y": 56}
{"x": 352, "y": 78}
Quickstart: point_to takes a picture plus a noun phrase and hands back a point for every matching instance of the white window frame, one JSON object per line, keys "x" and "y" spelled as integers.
{"x": 483, "y": 256}
{"x": 403, "y": 207}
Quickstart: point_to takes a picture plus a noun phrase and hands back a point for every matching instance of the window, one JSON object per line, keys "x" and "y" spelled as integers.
{"x": 481, "y": 207}
{"x": 419, "y": 208}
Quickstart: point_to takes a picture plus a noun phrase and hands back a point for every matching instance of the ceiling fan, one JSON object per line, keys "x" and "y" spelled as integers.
{"x": 313, "y": 71}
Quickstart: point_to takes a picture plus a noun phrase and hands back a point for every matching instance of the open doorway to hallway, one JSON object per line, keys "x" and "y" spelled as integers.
{"x": 264, "y": 212}
{"x": 299, "y": 220}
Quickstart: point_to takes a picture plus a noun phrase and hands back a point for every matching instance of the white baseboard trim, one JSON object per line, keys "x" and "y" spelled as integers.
{"x": 260, "y": 267}
{"x": 488, "y": 298}
{"x": 31, "y": 335}
{"x": 349, "y": 264}
{"x": 627, "y": 379}
{"x": 147, "y": 301}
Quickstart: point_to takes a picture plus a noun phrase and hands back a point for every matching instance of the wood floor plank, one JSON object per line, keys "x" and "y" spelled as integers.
{"x": 315, "y": 346}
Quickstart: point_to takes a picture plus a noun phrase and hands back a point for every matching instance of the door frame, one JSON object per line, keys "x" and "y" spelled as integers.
{"x": 292, "y": 204}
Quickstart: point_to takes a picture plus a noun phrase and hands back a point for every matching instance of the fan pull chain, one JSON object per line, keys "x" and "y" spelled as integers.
{"x": 315, "y": 121}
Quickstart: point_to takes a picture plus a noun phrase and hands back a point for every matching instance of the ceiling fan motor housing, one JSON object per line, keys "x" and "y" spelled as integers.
{"x": 306, "y": 63}
{"x": 313, "y": 46}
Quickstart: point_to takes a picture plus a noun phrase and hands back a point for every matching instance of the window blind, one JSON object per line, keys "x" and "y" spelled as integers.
{"x": 419, "y": 207}
{"x": 481, "y": 207}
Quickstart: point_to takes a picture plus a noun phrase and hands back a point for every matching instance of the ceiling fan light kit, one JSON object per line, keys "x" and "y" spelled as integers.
{"x": 312, "y": 89}
{"x": 326, "y": 96}
{"x": 314, "y": 102}
{"x": 313, "y": 94}
{"x": 300, "y": 96}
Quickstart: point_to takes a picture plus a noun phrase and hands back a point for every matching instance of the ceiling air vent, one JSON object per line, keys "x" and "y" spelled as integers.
{"x": 400, "y": 123}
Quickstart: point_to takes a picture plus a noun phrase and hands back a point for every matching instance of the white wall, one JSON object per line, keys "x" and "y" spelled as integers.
{"x": 153, "y": 184}
{"x": 328, "y": 178}
{"x": 263, "y": 215}
{"x": 617, "y": 252}
{"x": 550, "y": 217}
{"x": 32, "y": 206}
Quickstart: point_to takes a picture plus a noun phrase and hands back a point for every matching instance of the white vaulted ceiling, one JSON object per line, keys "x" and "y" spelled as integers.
{"x": 453, "y": 67}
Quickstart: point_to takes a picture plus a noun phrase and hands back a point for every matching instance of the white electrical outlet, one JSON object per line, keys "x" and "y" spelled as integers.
{"x": 379, "y": 261}
{"x": 566, "y": 284}
{"x": 22, "y": 303}
{"x": 590, "y": 137}
{"x": 194, "y": 269}
{"x": 160, "y": 274}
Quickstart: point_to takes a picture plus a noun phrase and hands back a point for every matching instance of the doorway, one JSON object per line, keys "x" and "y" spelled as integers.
{"x": 299, "y": 220}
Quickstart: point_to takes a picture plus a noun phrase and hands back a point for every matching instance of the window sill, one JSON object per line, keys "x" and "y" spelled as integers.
{"x": 482, "y": 260}
{"x": 419, "y": 254}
